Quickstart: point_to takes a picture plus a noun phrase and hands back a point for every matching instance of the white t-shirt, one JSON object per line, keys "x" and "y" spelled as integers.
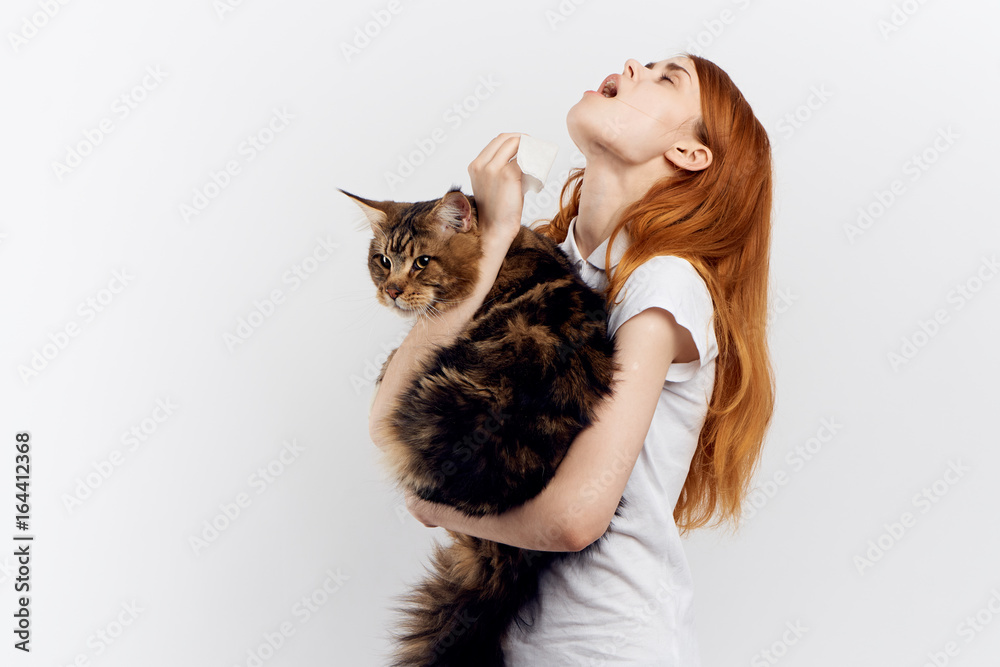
{"x": 629, "y": 601}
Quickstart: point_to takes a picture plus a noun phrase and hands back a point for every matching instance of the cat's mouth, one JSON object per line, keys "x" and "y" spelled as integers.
{"x": 410, "y": 309}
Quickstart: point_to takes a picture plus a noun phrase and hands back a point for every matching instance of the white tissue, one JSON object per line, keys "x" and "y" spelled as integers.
{"x": 535, "y": 158}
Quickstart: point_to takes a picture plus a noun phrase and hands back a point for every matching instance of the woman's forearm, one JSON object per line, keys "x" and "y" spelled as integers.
{"x": 543, "y": 523}
{"x": 430, "y": 333}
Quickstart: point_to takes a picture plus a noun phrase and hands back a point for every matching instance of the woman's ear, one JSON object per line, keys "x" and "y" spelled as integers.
{"x": 689, "y": 155}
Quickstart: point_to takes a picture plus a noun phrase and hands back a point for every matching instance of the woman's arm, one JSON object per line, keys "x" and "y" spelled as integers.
{"x": 578, "y": 504}
{"x": 496, "y": 186}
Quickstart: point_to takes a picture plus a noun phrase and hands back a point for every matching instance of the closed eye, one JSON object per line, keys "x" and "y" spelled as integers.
{"x": 662, "y": 76}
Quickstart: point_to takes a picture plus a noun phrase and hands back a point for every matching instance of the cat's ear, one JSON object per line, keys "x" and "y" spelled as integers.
{"x": 454, "y": 212}
{"x": 373, "y": 211}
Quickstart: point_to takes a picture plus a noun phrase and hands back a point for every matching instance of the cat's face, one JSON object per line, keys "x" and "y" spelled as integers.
{"x": 424, "y": 256}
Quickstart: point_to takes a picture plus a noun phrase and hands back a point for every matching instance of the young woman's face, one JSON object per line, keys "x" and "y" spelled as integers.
{"x": 647, "y": 115}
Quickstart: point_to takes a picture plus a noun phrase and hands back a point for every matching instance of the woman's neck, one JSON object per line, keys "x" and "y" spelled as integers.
{"x": 607, "y": 190}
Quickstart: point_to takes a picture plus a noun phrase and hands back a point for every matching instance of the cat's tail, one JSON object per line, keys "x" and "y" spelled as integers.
{"x": 459, "y": 615}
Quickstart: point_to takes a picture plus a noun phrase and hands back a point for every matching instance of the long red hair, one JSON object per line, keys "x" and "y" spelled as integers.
{"x": 719, "y": 219}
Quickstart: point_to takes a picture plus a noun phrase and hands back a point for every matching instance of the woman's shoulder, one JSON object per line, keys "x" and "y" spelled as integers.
{"x": 668, "y": 276}
{"x": 673, "y": 284}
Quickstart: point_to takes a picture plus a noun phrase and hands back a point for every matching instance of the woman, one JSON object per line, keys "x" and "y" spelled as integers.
{"x": 671, "y": 219}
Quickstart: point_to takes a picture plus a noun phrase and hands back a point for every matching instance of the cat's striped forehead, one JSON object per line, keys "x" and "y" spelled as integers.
{"x": 402, "y": 234}
{"x": 401, "y": 243}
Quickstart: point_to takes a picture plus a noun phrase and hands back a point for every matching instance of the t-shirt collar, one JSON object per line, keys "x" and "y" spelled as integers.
{"x": 596, "y": 258}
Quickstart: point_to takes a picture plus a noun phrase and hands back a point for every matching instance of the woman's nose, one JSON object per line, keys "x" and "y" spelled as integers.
{"x": 632, "y": 68}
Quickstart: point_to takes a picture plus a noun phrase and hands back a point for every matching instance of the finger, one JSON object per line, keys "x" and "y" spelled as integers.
{"x": 504, "y": 158}
{"x": 507, "y": 150}
{"x": 491, "y": 149}
{"x": 489, "y": 152}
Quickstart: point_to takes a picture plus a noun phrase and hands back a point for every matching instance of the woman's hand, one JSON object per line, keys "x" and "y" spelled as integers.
{"x": 496, "y": 186}
{"x": 419, "y": 508}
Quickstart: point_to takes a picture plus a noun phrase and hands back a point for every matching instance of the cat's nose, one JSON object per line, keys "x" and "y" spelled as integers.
{"x": 393, "y": 292}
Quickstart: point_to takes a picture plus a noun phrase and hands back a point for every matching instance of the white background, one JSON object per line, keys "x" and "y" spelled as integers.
{"x": 848, "y": 103}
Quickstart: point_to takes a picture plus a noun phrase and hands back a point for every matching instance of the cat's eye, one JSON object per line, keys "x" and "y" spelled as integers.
{"x": 384, "y": 261}
{"x": 422, "y": 261}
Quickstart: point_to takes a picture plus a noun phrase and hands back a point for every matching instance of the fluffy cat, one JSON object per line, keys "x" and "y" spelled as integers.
{"x": 488, "y": 418}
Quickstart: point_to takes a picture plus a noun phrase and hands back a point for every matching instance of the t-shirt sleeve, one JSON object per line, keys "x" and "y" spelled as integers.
{"x": 671, "y": 283}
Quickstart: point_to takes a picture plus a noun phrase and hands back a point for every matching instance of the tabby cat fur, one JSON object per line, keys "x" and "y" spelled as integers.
{"x": 487, "y": 419}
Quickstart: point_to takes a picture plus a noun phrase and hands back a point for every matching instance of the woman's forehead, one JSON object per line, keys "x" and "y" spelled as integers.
{"x": 683, "y": 61}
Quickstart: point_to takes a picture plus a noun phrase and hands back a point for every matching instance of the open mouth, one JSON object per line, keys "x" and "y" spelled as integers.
{"x": 609, "y": 88}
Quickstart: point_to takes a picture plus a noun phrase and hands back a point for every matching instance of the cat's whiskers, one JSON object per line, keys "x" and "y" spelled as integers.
{"x": 359, "y": 317}
{"x": 437, "y": 300}
{"x": 349, "y": 301}
{"x": 365, "y": 320}
{"x": 432, "y": 312}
